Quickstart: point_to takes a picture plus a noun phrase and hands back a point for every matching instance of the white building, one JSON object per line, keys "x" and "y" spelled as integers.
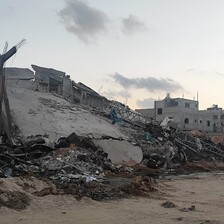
{"x": 186, "y": 114}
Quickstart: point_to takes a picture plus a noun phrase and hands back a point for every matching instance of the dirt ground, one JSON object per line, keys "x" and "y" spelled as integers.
{"x": 197, "y": 198}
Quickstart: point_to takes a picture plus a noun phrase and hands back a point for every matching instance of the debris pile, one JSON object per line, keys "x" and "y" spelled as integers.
{"x": 18, "y": 192}
{"x": 111, "y": 153}
{"x": 88, "y": 166}
{"x": 171, "y": 148}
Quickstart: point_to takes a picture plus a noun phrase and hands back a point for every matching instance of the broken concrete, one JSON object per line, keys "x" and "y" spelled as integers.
{"x": 37, "y": 113}
{"x": 120, "y": 151}
{"x": 18, "y": 73}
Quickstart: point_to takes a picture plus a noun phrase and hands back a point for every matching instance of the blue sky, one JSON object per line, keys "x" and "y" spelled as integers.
{"x": 134, "y": 51}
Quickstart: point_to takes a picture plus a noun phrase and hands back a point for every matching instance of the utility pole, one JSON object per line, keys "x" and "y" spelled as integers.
{"x": 5, "y": 118}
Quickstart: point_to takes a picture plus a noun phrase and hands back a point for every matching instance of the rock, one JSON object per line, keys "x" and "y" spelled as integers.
{"x": 192, "y": 208}
{"x": 168, "y": 204}
{"x": 82, "y": 157}
{"x": 120, "y": 151}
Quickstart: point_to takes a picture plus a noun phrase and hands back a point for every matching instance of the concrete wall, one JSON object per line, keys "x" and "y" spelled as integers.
{"x": 150, "y": 113}
{"x": 76, "y": 95}
{"x": 94, "y": 100}
{"x": 211, "y": 120}
{"x": 42, "y": 82}
{"x": 18, "y": 73}
{"x": 67, "y": 89}
{"x": 47, "y": 82}
{"x": 48, "y": 79}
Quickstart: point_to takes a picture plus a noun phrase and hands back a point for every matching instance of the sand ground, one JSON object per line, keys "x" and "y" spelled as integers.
{"x": 204, "y": 191}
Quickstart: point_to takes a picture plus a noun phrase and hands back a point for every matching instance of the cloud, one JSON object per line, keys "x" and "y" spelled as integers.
{"x": 150, "y": 83}
{"x": 219, "y": 73}
{"x": 82, "y": 20}
{"x": 132, "y": 24}
{"x": 191, "y": 70}
{"x": 113, "y": 94}
{"x": 146, "y": 103}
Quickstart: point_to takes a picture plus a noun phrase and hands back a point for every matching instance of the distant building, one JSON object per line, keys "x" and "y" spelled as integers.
{"x": 211, "y": 120}
{"x": 183, "y": 111}
{"x": 186, "y": 114}
{"x": 148, "y": 113}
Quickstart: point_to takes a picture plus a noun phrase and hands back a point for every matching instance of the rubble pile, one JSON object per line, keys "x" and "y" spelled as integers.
{"x": 168, "y": 147}
{"x": 75, "y": 165}
{"x": 65, "y": 157}
{"x": 78, "y": 166}
{"x": 113, "y": 152}
{"x": 81, "y": 165}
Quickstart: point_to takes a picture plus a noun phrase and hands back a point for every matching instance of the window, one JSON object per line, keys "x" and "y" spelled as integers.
{"x": 200, "y": 121}
{"x": 171, "y": 103}
{"x": 187, "y": 105}
{"x": 186, "y": 121}
{"x": 159, "y": 111}
{"x": 215, "y": 117}
{"x": 208, "y": 123}
{"x": 195, "y": 121}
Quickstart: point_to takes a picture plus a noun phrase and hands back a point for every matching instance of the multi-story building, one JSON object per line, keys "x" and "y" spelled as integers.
{"x": 183, "y": 111}
{"x": 186, "y": 114}
{"x": 211, "y": 120}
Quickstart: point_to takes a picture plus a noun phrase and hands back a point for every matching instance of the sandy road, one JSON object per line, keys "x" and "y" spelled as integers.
{"x": 205, "y": 192}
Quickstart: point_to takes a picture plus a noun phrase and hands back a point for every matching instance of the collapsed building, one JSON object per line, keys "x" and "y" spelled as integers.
{"x": 48, "y": 103}
{"x": 64, "y": 131}
{"x": 51, "y": 80}
{"x": 5, "y": 116}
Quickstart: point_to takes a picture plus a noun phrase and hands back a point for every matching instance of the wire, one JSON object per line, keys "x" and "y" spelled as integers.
{"x": 5, "y": 47}
{"x": 20, "y": 44}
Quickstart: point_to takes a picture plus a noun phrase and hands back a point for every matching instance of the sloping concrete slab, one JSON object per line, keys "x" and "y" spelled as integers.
{"x": 37, "y": 113}
{"x": 120, "y": 151}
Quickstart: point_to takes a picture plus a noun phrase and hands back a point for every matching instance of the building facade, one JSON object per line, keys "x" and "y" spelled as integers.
{"x": 186, "y": 114}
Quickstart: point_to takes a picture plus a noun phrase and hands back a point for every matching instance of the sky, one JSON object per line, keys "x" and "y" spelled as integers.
{"x": 133, "y": 51}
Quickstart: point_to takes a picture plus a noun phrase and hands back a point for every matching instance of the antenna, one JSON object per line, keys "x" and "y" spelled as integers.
{"x": 126, "y": 102}
{"x": 100, "y": 89}
{"x": 5, "y": 47}
{"x": 20, "y": 44}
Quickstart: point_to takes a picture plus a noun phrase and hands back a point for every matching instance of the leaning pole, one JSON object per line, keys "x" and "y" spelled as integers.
{"x": 5, "y": 117}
